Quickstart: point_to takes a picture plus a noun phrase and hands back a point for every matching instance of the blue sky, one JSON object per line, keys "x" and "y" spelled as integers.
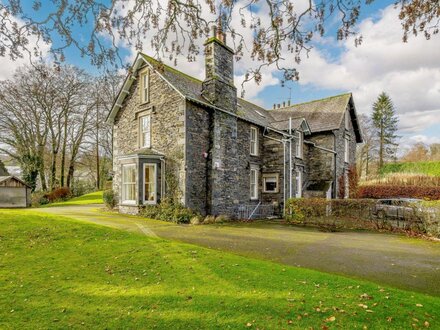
{"x": 409, "y": 72}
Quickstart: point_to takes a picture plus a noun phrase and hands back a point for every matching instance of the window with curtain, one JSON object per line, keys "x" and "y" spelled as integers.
{"x": 129, "y": 184}
{"x": 150, "y": 187}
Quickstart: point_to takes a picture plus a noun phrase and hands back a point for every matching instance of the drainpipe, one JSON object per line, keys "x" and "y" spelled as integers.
{"x": 290, "y": 158}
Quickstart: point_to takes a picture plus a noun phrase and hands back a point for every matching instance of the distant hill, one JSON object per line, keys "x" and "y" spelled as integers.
{"x": 427, "y": 168}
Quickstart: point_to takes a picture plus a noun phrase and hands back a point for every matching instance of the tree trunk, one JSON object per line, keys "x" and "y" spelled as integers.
{"x": 70, "y": 174}
{"x": 63, "y": 153}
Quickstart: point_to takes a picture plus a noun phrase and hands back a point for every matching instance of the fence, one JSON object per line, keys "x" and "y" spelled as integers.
{"x": 260, "y": 211}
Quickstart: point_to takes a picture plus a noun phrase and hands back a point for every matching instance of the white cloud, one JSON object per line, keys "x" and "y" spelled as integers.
{"x": 408, "y": 72}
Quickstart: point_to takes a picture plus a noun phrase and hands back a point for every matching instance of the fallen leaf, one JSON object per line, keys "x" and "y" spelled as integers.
{"x": 330, "y": 319}
{"x": 426, "y": 324}
{"x": 249, "y": 324}
{"x": 389, "y": 318}
{"x": 419, "y": 305}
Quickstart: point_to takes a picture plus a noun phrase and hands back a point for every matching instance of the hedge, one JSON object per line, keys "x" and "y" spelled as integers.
{"x": 336, "y": 214}
{"x": 388, "y": 191}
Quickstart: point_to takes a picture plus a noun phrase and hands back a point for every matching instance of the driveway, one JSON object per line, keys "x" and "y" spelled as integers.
{"x": 399, "y": 261}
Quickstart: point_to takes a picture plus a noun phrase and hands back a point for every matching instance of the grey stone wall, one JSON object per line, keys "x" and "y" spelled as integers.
{"x": 341, "y": 166}
{"x": 167, "y": 110}
{"x": 219, "y": 162}
{"x": 322, "y": 164}
{"x": 218, "y": 86}
{"x": 198, "y": 128}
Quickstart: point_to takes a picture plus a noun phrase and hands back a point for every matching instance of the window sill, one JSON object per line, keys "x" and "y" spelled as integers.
{"x": 271, "y": 192}
{"x": 128, "y": 204}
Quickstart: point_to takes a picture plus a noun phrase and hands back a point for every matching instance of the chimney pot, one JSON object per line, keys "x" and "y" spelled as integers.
{"x": 274, "y": 106}
{"x": 279, "y": 105}
{"x": 284, "y": 104}
{"x": 288, "y": 103}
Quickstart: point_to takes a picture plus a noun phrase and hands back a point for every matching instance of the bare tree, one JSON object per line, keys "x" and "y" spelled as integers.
{"x": 280, "y": 28}
{"x": 367, "y": 151}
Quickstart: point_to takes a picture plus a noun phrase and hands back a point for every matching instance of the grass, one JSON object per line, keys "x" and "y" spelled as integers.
{"x": 61, "y": 273}
{"x": 92, "y": 198}
{"x": 427, "y": 168}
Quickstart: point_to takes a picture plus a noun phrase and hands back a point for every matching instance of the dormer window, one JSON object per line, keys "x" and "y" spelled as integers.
{"x": 299, "y": 145}
{"x": 145, "y": 87}
{"x": 145, "y": 131}
{"x": 254, "y": 141}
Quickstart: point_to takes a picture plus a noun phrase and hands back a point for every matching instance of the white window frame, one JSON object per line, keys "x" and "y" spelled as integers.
{"x": 145, "y": 86}
{"x": 253, "y": 187}
{"x": 154, "y": 165}
{"x": 275, "y": 176}
{"x": 300, "y": 145}
{"x": 299, "y": 182}
{"x": 347, "y": 149}
{"x": 253, "y": 148}
{"x": 123, "y": 185}
{"x": 143, "y": 134}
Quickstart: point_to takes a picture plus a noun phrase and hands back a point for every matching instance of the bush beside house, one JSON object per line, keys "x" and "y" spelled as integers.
{"x": 392, "y": 191}
{"x": 336, "y": 214}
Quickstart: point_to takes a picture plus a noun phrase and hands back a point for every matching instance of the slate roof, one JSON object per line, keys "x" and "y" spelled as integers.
{"x": 192, "y": 88}
{"x": 320, "y": 115}
{"x": 5, "y": 178}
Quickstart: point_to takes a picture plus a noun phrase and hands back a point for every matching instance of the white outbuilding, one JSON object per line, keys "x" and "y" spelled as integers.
{"x": 14, "y": 192}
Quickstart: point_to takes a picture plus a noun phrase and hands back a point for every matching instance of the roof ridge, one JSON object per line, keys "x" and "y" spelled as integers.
{"x": 312, "y": 101}
{"x": 149, "y": 58}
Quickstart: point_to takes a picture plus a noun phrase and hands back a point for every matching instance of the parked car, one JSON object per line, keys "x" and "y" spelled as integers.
{"x": 398, "y": 208}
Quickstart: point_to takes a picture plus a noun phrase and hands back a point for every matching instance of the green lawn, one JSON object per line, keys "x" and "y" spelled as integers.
{"x": 429, "y": 168}
{"x": 92, "y": 198}
{"x": 62, "y": 273}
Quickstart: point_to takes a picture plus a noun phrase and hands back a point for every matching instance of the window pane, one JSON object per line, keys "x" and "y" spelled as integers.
{"x": 145, "y": 131}
{"x": 150, "y": 183}
{"x": 129, "y": 183}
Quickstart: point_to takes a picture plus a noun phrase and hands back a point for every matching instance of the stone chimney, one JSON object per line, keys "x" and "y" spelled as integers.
{"x": 218, "y": 86}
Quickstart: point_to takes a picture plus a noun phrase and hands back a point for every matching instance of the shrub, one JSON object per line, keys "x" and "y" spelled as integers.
{"x": 109, "y": 198}
{"x": 196, "y": 220}
{"x": 209, "y": 219}
{"x": 388, "y": 191}
{"x": 81, "y": 187}
{"x": 336, "y": 214}
{"x": 222, "y": 218}
{"x": 168, "y": 210}
{"x": 58, "y": 194}
{"x": 39, "y": 198}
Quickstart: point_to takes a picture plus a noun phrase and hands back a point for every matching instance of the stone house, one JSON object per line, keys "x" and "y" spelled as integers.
{"x": 196, "y": 141}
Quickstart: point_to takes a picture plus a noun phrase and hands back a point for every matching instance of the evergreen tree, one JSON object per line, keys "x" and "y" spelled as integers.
{"x": 385, "y": 121}
{"x": 3, "y": 170}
